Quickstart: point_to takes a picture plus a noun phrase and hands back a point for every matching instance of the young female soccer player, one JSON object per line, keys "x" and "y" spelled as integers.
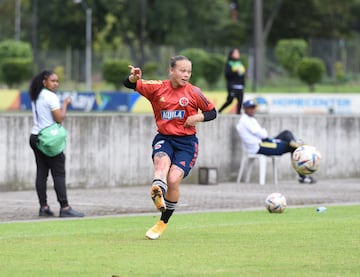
{"x": 176, "y": 104}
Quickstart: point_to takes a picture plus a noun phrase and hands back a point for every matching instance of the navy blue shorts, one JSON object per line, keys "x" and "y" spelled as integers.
{"x": 183, "y": 151}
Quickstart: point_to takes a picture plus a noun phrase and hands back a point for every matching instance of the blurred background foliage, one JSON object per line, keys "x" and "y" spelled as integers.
{"x": 149, "y": 32}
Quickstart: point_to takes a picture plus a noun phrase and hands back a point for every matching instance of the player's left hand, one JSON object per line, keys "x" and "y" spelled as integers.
{"x": 193, "y": 119}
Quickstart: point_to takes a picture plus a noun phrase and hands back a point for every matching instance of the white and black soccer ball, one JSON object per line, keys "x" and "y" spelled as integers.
{"x": 275, "y": 202}
{"x": 306, "y": 159}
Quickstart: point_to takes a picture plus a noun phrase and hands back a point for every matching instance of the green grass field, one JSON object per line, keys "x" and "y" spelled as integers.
{"x": 299, "y": 242}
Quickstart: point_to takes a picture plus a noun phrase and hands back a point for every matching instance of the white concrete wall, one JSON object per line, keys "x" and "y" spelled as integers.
{"x": 112, "y": 150}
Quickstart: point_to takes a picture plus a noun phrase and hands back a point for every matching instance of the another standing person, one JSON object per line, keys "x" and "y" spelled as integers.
{"x": 46, "y": 110}
{"x": 256, "y": 140}
{"x": 176, "y": 104}
{"x": 235, "y": 80}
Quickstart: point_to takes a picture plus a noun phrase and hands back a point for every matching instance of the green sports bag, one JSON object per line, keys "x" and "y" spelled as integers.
{"x": 52, "y": 140}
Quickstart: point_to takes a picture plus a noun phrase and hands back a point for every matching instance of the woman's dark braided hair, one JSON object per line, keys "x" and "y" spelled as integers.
{"x": 37, "y": 85}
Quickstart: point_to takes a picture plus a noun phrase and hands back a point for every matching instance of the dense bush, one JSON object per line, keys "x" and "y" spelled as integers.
{"x": 60, "y": 72}
{"x": 289, "y": 53}
{"x": 213, "y": 68}
{"x": 13, "y": 49}
{"x": 197, "y": 57}
{"x": 311, "y": 71}
{"x": 115, "y": 71}
{"x": 339, "y": 72}
{"x": 15, "y": 71}
{"x": 149, "y": 70}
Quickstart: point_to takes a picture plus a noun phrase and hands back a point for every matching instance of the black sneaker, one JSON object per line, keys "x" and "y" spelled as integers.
{"x": 45, "y": 211}
{"x": 69, "y": 212}
{"x": 307, "y": 180}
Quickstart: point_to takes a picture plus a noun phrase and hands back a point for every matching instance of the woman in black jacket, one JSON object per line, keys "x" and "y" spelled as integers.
{"x": 235, "y": 79}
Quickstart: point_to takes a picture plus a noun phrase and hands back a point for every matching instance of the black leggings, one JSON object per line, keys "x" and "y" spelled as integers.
{"x": 286, "y": 136}
{"x": 43, "y": 165}
{"x": 239, "y": 94}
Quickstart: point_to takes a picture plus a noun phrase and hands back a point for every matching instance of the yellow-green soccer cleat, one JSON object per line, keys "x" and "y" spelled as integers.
{"x": 296, "y": 143}
{"x": 156, "y": 231}
{"x": 158, "y": 198}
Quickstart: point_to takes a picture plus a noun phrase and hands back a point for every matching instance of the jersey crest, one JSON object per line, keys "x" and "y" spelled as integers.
{"x": 183, "y": 101}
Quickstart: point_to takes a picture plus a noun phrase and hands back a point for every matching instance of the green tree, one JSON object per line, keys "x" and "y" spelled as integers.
{"x": 7, "y": 19}
{"x": 114, "y": 72}
{"x": 213, "y": 68}
{"x": 194, "y": 23}
{"x": 16, "y": 71}
{"x": 336, "y": 18}
{"x": 168, "y": 22}
{"x": 339, "y": 72}
{"x": 197, "y": 57}
{"x": 66, "y": 26}
{"x": 209, "y": 24}
{"x": 289, "y": 53}
{"x": 312, "y": 19}
{"x": 12, "y": 49}
{"x": 150, "y": 70}
{"x": 140, "y": 26}
{"x": 105, "y": 39}
{"x": 310, "y": 71}
{"x": 233, "y": 34}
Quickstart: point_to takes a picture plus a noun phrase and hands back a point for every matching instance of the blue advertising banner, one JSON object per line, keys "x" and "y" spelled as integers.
{"x": 291, "y": 103}
{"x": 90, "y": 101}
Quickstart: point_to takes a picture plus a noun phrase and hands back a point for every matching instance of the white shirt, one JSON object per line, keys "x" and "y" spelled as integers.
{"x": 251, "y": 133}
{"x": 45, "y": 104}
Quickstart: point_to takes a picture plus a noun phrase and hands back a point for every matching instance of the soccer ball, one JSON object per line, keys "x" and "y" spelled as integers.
{"x": 306, "y": 159}
{"x": 275, "y": 202}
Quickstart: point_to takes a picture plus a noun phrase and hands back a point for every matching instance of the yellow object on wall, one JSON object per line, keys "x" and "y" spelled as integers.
{"x": 9, "y": 99}
{"x": 142, "y": 105}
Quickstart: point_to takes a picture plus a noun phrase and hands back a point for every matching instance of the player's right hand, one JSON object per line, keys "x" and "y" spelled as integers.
{"x": 135, "y": 73}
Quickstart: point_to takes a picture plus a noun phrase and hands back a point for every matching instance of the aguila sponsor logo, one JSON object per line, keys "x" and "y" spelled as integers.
{"x": 168, "y": 115}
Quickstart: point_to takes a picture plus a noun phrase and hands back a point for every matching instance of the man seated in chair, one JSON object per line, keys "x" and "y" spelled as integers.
{"x": 256, "y": 141}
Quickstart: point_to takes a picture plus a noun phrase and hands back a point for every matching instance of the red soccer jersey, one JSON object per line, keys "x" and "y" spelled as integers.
{"x": 172, "y": 106}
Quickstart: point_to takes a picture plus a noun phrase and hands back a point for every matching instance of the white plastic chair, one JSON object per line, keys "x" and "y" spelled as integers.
{"x": 248, "y": 160}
